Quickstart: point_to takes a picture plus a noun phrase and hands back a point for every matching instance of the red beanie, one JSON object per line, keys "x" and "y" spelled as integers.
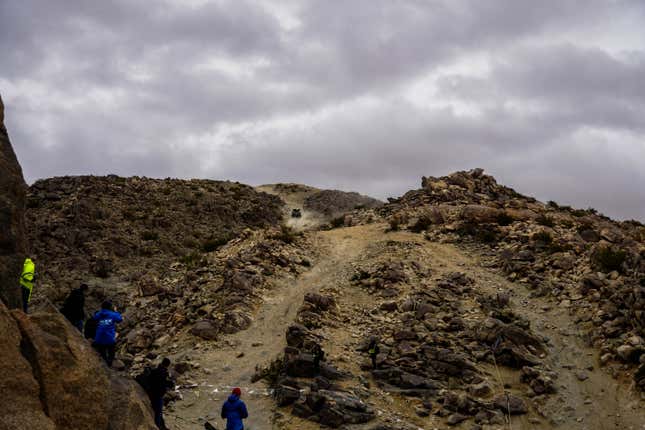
{"x": 237, "y": 391}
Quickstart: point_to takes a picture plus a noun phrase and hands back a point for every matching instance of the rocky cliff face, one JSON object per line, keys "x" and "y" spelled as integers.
{"x": 12, "y": 229}
{"x": 52, "y": 379}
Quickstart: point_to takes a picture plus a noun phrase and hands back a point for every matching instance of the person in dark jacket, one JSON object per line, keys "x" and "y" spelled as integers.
{"x": 234, "y": 411}
{"x": 159, "y": 384}
{"x": 74, "y": 307}
{"x": 105, "y": 339}
{"x": 319, "y": 355}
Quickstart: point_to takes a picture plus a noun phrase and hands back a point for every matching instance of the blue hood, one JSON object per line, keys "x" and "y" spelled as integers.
{"x": 234, "y": 411}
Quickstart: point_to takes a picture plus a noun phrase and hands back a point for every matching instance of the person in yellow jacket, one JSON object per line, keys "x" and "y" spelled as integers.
{"x": 27, "y": 282}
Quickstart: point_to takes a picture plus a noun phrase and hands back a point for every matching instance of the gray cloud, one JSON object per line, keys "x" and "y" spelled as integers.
{"x": 366, "y": 95}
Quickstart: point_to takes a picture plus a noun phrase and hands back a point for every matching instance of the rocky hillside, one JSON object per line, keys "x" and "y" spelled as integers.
{"x": 589, "y": 264}
{"x": 107, "y": 227}
{"x": 49, "y": 375}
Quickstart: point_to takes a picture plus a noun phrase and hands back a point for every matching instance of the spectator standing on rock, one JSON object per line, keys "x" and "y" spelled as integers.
{"x": 27, "y": 282}
{"x": 373, "y": 350}
{"x": 234, "y": 411}
{"x": 74, "y": 307}
{"x": 105, "y": 339}
{"x": 158, "y": 384}
{"x": 319, "y": 355}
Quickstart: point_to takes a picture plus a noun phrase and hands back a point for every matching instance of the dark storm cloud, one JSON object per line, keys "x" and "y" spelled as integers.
{"x": 367, "y": 95}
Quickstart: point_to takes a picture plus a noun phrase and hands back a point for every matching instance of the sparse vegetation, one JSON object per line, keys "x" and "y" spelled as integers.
{"x": 194, "y": 260}
{"x": 584, "y": 226}
{"x": 487, "y": 235}
{"x": 422, "y": 224}
{"x": 608, "y": 259}
{"x": 214, "y": 243}
{"x": 504, "y": 219}
{"x": 555, "y": 247}
{"x": 543, "y": 237}
{"x": 482, "y": 233}
{"x": 337, "y": 222}
{"x": 287, "y": 235}
{"x": 394, "y": 222}
{"x": 149, "y": 235}
{"x": 545, "y": 220}
{"x": 579, "y": 212}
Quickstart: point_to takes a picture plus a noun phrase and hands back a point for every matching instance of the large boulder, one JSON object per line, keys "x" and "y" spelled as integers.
{"x": 53, "y": 379}
{"x": 206, "y": 329}
{"x": 21, "y": 406}
{"x": 335, "y": 408}
{"x": 479, "y": 214}
{"x": 12, "y": 226}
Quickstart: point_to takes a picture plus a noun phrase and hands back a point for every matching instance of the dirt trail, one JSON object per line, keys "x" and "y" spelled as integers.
{"x": 296, "y": 200}
{"x": 263, "y": 341}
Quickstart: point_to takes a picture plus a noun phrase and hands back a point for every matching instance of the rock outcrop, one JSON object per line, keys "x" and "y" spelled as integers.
{"x": 12, "y": 228}
{"x": 55, "y": 380}
{"x": 334, "y": 203}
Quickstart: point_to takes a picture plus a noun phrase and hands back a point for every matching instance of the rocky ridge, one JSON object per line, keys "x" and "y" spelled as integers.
{"x": 589, "y": 264}
{"x": 112, "y": 226}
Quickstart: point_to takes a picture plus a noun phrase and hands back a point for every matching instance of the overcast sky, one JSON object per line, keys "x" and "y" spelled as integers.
{"x": 368, "y": 95}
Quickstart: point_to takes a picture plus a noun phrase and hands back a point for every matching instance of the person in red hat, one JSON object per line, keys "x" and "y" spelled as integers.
{"x": 234, "y": 411}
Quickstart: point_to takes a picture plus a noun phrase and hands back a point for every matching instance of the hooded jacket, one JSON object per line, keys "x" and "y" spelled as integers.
{"x": 27, "y": 277}
{"x": 74, "y": 306}
{"x": 106, "y": 326}
{"x": 234, "y": 410}
{"x": 159, "y": 382}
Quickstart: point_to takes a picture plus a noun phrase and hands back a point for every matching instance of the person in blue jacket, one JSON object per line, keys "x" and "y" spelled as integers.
{"x": 105, "y": 338}
{"x": 234, "y": 411}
